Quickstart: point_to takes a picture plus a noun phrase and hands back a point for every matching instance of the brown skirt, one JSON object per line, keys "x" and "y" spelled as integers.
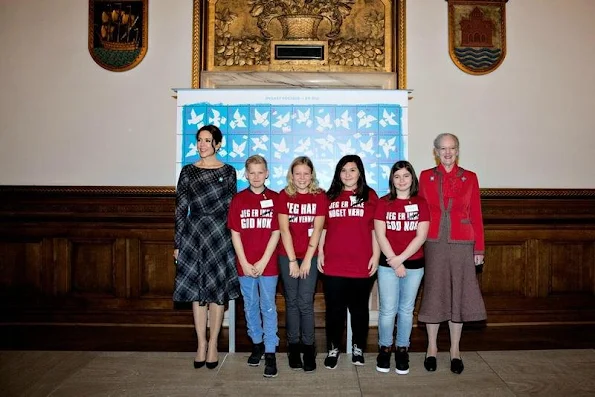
{"x": 451, "y": 290}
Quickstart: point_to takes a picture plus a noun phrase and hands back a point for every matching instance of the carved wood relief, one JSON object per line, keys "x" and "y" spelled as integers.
{"x": 317, "y": 36}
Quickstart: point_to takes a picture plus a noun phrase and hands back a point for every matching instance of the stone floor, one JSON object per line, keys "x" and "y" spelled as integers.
{"x": 496, "y": 373}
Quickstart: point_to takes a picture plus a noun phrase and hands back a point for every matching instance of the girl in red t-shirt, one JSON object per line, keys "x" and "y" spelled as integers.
{"x": 302, "y": 209}
{"x": 401, "y": 224}
{"x": 349, "y": 258}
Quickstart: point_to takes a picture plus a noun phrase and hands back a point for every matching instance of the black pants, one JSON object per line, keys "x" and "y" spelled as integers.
{"x": 340, "y": 294}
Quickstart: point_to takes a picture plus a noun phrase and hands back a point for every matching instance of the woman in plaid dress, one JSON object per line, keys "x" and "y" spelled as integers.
{"x": 206, "y": 274}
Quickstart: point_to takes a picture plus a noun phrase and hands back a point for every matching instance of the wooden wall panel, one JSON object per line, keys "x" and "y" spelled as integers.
{"x": 93, "y": 267}
{"x": 571, "y": 268}
{"x": 505, "y": 268}
{"x": 21, "y": 265}
{"x": 157, "y": 270}
{"x": 102, "y": 257}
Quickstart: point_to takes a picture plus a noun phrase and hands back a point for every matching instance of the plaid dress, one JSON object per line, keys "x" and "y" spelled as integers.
{"x": 206, "y": 271}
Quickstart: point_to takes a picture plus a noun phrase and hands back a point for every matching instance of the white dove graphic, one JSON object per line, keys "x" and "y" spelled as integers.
{"x": 196, "y": 119}
{"x": 217, "y": 119}
{"x": 238, "y": 120}
{"x": 260, "y": 118}
{"x": 344, "y": 120}
{"x": 303, "y": 117}
{"x": 388, "y": 119}
{"x": 282, "y": 121}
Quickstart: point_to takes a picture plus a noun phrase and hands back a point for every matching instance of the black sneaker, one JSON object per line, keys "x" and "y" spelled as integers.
{"x": 257, "y": 353}
{"x": 332, "y": 358}
{"x": 270, "y": 365}
{"x": 294, "y": 356}
{"x": 357, "y": 356}
{"x": 402, "y": 360}
{"x": 383, "y": 360}
{"x": 309, "y": 358}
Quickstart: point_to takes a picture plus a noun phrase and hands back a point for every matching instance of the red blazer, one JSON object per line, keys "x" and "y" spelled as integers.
{"x": 456, "y": 194}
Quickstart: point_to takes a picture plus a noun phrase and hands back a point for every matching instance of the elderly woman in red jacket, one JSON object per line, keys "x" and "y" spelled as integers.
{"x": 455, "y": 245}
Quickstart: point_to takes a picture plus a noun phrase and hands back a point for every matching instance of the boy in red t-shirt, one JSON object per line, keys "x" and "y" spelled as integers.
{"x": 255, "y": 236}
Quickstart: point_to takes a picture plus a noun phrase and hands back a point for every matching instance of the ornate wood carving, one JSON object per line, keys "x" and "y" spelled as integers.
{"x": 356, "y": 36}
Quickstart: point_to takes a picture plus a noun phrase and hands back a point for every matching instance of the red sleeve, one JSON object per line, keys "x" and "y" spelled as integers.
{"x": 380, "y": 212}
{"x": 373, "y": 204}
{"x": 422, "y": 184}
{"x": 233, "y": 215}
{"x": 275, "y": 222}
{"x": 476, "y": 216}
{"x": 322, "y": 204}
{"x": 281, "y": 205}
{"x": 424, "y": 212}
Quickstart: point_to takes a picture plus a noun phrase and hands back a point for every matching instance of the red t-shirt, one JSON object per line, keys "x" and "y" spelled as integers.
{"x": 301, "y": 209}
{"x": 348, "y": 242}
{"x": 254, "y": 217}
{"x": 402, "y": 217}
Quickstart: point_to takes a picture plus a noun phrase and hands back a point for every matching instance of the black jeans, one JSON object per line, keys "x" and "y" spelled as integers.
{"x": 340, "y": 294}
{"x": 299, "y": 302}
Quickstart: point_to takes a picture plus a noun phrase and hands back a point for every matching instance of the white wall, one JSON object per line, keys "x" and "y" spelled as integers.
{"x": 531, "y": 122}
{"x": 66, "y": 121}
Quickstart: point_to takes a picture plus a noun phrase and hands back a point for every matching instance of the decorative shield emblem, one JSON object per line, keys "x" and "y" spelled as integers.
{"x": 118, "y": 33}
{"x": 477, "y": 34}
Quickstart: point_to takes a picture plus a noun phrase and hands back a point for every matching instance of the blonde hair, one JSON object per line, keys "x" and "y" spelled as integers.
{"x": 290, "y": 189}
{"x": 256, "y": 159}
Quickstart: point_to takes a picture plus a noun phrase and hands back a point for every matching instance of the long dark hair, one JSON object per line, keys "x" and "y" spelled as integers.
{"x": 413, "y": 190}
{"x": 215, "y": 132}
{"x": 362, "y": 191}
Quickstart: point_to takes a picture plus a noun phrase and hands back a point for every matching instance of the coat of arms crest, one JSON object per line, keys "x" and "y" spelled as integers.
{"x": 118, "y": 33}
{"x": 477, "y": 34}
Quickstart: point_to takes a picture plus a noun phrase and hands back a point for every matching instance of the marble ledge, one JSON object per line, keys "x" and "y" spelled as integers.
{"x": 286, "y": 80}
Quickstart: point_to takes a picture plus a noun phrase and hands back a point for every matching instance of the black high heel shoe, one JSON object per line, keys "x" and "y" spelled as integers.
{"x": 430, "y": 363}
{"x": 199, "y": 364}
{"x": 456, "y": 365}
{"x": 212, "y": 365}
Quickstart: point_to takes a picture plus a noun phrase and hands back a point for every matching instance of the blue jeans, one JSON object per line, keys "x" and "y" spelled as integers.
{"x": 397, "y": 297}
{"x": 259, "y": 299}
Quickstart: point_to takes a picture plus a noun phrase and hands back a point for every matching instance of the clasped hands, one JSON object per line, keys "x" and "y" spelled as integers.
{"x": 396, "y": 263}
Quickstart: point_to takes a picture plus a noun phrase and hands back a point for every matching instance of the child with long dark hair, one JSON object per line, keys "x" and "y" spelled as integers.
{"x": 401, "y": 224}
{"x": 348, "y": 258}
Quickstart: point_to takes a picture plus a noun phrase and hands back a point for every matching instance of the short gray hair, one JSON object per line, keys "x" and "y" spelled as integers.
{"x": 445, "y": 134}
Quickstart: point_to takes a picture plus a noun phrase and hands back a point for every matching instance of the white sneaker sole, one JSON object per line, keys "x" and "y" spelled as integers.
{"x": 401, "y": 372}
{"x": 383, "y": 370}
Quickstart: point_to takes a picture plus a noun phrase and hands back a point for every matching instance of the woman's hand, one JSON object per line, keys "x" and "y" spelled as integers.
{"x": 320, "y": 262}
{"x": 372, "y": 267}
{"x": 478, "y": 259}
{"x": 176, "y": 253}
{"x": 305, "y": 268}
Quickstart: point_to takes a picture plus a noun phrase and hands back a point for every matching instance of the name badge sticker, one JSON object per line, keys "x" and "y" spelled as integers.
{"x": 353, "y": 200}
{"x": 411, "y": 208}
{"x": 266, "y": 203}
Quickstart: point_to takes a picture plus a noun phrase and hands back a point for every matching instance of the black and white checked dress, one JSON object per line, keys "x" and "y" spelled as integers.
{"x": 206, "y": 270}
